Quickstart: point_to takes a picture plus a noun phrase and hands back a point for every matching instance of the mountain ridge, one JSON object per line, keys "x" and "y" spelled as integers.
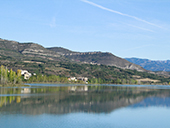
{"x": 104, "y": 58}
{"x": 23, "y": 50}
{"x": 152, "y": 65}
{"x": 99, "y": 67}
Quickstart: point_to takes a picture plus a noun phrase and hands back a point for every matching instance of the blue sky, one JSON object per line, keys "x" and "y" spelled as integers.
{"x": 126, "y": 28}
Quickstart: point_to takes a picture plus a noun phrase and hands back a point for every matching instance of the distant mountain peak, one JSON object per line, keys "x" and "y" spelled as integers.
{"x": 151, "y": 64}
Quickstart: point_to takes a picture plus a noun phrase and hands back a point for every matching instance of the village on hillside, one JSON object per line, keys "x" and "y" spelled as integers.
{"x": 27, "y": 75}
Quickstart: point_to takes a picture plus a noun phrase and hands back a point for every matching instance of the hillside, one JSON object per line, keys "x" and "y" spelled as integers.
{"x": 30, "y": 51}
{"x": 19, "y": 50}
{"x": 150, "y": 64}
{"x": 97, "y": 58}
{"x": 30, "y": 56}
{"x": 97, "y": 66}
{"x": 60, "y": 50}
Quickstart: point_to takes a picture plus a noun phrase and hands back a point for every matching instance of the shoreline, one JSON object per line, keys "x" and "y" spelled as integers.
{"x": 27, "y": 84}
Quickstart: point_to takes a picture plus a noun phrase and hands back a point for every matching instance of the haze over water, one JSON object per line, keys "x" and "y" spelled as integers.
{"x": 85, "y": 106}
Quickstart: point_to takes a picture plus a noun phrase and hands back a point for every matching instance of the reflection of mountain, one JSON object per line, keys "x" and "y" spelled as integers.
{"x": 60, "y": 100}
{"x": 153, "y": 101}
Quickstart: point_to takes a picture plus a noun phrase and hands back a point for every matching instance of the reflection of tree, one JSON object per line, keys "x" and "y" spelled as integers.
{"x": 59, "y": 100}
{"x": 4, "y": 100}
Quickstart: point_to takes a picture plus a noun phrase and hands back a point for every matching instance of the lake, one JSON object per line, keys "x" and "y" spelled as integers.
{"x": 85, "y": 106}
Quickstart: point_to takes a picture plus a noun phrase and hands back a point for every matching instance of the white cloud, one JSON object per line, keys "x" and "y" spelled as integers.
{"x": 123, "y": 14}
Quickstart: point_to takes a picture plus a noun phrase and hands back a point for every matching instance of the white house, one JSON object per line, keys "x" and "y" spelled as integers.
{"x": 26, "y": 74}
{"x": 72, "y": 79}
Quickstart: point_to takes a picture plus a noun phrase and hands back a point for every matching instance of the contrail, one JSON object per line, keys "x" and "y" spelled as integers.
{"x": 140, "y": 28}
{"x": 110, "y": 10}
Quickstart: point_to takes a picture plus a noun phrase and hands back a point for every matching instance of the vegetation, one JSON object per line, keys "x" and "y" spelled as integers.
{"x": 97, "y": 74}
{"x": 58, "y": 72}
{"x": 10, "y": 77}
{"x": 51, "y": 66}
{"x": 100, "y": 74}
{"x": 44, "y": 78}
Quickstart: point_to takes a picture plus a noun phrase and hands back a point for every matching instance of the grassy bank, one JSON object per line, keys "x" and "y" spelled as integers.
{"x": 13, "y": 85}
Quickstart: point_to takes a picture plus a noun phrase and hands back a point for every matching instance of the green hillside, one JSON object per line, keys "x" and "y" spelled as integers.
{"x": 97, "y": 66}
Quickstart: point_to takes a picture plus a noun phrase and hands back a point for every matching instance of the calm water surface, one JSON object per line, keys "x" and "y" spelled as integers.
{"x": 82, "y": 106}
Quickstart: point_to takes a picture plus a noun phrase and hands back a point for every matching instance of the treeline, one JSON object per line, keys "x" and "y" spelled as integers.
{"x": 9, "y": 77}
{"x": 101, "y": 74}
{"x": 112, "y": 81}
{"x": 50, "y": 79}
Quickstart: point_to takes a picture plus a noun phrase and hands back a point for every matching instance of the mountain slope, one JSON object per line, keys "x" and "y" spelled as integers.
{"x": 60, "y": 50}
{"x": 97, "y": 66}
{"x": 20, "y": 50}
{"x": 26, "y": 51}
{"x": 97, "y": 58}
{"x": 151, "y": 65}
{"x": 30, "y": 56}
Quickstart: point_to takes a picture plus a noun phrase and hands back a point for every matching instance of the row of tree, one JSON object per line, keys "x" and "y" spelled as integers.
{"x": 112, "y": 81}
{"x": 50, "y": 79}
{"x": 10, "y": 77}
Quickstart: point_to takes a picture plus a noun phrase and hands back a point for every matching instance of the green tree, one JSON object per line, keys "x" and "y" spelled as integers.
{"x": 11, "y": 78}
{"x": 6, "y": 75}
{"x": 2, "y": 72}
{"x": 14, "y": 77}
{"x": 19, "y": 80}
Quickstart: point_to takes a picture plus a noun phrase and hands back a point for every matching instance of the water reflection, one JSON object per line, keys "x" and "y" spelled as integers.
{"x": 69, "y": 99}
{"x": 26, "y": 90}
